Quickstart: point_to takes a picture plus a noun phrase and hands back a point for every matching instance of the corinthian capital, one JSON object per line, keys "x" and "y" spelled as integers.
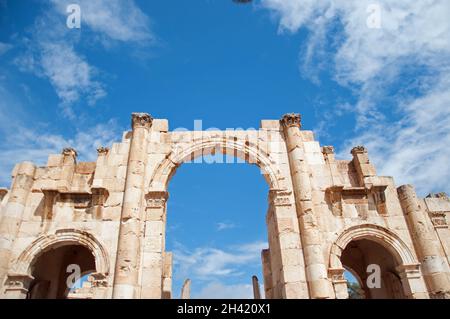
{"x": 358, "y": 150}
{"x": 141, "y": 120}
{"x": 69, "y": 151}
{"x": 291, "y": 119}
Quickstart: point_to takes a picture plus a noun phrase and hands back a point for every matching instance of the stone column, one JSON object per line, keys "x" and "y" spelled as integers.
{"x": 126, "y": 276}
{"x": 316, "y": 266}
{"x": 154, "y": 246}
{"x": 267, "y": 273}
{"x": 287, "y": 264}
{"x": 13, "y": 212}
{"x": 434, "y": 266}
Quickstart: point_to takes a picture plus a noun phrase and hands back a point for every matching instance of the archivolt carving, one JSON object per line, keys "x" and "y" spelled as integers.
{"x": 381, "y": 235}
{"x": 60, "y": 238}
{"x": 251, "y": 153}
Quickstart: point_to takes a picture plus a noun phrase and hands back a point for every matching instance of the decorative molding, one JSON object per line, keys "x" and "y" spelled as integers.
{"x": 81, "y": 200}
{"x": 337, "y": 193}
{"x": 291, "y": 120}
{"x": 141, "y": 120}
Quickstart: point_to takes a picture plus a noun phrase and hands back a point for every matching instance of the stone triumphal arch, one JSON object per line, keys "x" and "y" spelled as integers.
{"x": 325, "y": 215}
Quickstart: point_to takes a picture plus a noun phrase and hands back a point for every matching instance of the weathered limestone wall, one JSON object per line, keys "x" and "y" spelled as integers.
{"x": 317, "y": 205}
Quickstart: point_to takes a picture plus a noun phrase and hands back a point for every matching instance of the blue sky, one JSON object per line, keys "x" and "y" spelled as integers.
{"x": 230, "y": 66}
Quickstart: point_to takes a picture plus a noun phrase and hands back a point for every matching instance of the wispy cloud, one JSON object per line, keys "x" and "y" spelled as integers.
{"x": 205, "y": 263}
{"x": 4, "y": 47}
{"x": 404, "y": 64}
{"x": 119, "y": 20}
{"x": 225, "y": 225}
{"x": 210, "y": 267}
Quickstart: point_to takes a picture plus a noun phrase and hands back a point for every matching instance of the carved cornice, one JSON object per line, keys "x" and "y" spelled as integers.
{"x": 358, "y": 150}
{"x": 291, "y": 120}
{"x": 141, "y": 120}
{"x": 441, "y": 195}
{"x": 102, "y": 150}
{"x": 69, "y": 151}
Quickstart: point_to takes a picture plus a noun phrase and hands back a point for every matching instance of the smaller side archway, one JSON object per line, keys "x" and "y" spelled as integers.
{"x": 371, "y": 249}
{"x": 40, "y": 270}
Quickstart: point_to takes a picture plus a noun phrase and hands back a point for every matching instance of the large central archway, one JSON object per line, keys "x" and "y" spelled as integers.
{"x": 237, "y": 147}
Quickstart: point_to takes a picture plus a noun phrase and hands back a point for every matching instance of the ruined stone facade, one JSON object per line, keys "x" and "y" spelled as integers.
{"x": 324, "y": 215}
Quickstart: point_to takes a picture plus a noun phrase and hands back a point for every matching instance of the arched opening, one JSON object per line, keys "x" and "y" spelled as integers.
{"x": 354, "y": 284}
{"x": 224, "y": 204}
{"x": 374, "y": 269}
{"x": 59, "y": 271}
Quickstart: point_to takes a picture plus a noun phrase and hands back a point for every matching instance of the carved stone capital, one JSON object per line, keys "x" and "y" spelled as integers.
{"x": 336, "y": 275}
{"x": 99, "y": 279}
{"x": 280, "y": 197}
{"x": 409, "y": 271}
{"x": 328, "y": 150}
{"x": 291, "y": 119}
{"x": 102, "y": 150}
{"x": 358, "y": 150}
{"x": 69, "y": 151}
{"x": 156, "y": 199}
{"x": 141, "y": 120}
{"x": 438, "y": 219}
{"x": 20, "y": 282}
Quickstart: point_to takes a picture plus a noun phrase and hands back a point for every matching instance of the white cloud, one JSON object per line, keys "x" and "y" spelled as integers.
{"x": 116, "y": 19}
{"x": 225, "y": 225}
{"x": 51, "y": 48}
{"x": 204, "y": 263}
{"x": 413, "y": 38}
{"x": 209, "y": 268}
